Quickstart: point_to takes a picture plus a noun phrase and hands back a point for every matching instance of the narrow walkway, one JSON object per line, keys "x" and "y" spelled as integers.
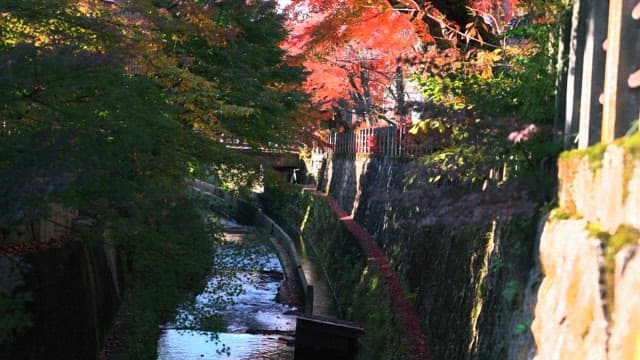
{"x": 300, "y": 259}
{"x": 405, "y": 312}
{"x": 324, "y": 304}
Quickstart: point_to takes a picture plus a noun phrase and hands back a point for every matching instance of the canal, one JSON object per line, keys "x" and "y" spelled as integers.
{"x": 239, "y": 315}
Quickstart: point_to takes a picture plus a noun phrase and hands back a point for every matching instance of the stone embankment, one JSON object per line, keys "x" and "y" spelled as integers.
{"x": 501, "y": 290}
{"x": 588, "y": 305}
{"x": 470, "y": 285}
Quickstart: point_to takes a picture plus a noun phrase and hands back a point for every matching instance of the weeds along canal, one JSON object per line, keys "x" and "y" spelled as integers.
{"x": 238, "y": 315}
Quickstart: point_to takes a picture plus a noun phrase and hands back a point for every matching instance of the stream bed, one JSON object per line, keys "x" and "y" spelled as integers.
{"x": 240, "y": 301}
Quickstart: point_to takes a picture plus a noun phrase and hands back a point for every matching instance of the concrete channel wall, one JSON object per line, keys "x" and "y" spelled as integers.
{"x": 266, "y": 224}
{"x": 246, "y": 213}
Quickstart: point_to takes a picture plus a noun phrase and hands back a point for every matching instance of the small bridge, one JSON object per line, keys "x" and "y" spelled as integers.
{"x": 286, "y": 162}
{"x": 275, "y": 156}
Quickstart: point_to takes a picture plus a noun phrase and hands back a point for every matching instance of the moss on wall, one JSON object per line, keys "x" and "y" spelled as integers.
{"x": 360, "y": 292}
{"x": 624, "y": 235}
{"x": 469, "y": 281}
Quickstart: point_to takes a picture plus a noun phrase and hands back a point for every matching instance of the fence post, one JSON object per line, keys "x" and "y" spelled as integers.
{"x": 574, "y": 77}
{"x": 388, "y": 141}
{"x": 621, "y": 104}
{"x": 362, "y": 135}
{"x": 592, "y": 73}
{"x": 353, "y": 148}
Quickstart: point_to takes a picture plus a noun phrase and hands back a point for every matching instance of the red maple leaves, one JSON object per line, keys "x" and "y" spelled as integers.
{"x": 353, "y": 48}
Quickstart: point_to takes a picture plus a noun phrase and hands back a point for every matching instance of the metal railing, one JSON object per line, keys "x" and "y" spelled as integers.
{"x": 388, "y": 141}
{"x": 602, "y": 87}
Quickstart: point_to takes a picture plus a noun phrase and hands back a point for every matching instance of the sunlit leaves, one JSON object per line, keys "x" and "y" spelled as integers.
{"x": 107, "y": 109}
{"x": 48, "y": 33}
{"x": 194, "y": 69}
{"x": 351, "y": 49}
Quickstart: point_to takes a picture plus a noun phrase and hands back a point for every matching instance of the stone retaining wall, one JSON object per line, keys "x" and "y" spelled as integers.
{"x": 74, "y": 301}
{"x": 473, "y": 286}
{"x": 588, "y": 305}
{"x": 403, "y": 309}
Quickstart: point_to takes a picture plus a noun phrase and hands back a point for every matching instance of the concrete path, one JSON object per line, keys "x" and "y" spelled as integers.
{"x": 323, "y": 301}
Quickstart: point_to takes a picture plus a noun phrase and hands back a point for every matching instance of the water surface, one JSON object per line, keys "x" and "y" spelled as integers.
{"x": 256, "y": 325}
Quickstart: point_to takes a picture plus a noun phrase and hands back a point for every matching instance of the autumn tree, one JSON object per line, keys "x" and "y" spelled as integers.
{"x": 352, "y": 50}
{"x": 357, "y": 50}
{"x": 107, "y": 107}
{"x": 484, "y": 72}
{"x": 213, "y": 69}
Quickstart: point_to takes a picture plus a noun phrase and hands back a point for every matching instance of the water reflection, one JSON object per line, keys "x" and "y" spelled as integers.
{"x": 257, "y": 326}
{"x": 180, "y": 345}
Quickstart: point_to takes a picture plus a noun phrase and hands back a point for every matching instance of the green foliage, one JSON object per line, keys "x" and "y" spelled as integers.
{"x": 511, "y": 291}
{"x": 595, "y": 231}
{"x": 514, "y": 81}
{"x": 374, "y": 308}
{"x": 107, "y": 112}
{"x": 560, "y": 214}
{"x": 247, "y": 254}
{"x": 624, "y": 235}
{"x": 632, "y": 144}
{"x": 255, "y": 92}
{"x": 523, "y": 327}
{"x": 13, "y": 298}
{"x": 594, "y": 153}
{"x": 486, "y": 130}
{"x": 167, "y": 259}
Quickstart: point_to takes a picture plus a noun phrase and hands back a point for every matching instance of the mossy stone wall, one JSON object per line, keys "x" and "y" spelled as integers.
{"x": 472, "y": 286}
{"x": 361, "y": 294}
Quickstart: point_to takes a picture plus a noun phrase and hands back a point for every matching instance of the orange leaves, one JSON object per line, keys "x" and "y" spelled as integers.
{"x": 343, "y": 40}
{"x": 471, "y": 32}
{"x": 329, "y": 26}
{"x": 340, "y": 40}
{"x": 422, "y": 31}
{"x": 440, "y": 62}
{"x": 485, "y": 60}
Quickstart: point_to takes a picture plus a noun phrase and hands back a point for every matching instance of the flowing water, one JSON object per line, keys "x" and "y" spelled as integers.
{"x": 255, "y": 325}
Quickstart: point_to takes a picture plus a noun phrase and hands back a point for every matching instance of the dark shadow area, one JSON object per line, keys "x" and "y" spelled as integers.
{"x": 502, "y": 322}
{"x": 317, "y": 338}
{"x": 74, "y": 302}
{"x": 343, "y": 182}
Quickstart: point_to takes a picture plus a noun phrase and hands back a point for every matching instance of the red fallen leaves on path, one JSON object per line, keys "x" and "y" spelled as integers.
{"x": 404, "y": 311}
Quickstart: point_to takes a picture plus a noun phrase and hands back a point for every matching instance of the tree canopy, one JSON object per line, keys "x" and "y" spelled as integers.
{"x": 357, "y": 50}
{"x": 107, "y": 107}
{"x": 93, "y": 89}
{"x": 484, "y": 71}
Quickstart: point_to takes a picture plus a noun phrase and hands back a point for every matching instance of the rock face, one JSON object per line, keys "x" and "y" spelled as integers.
{"x": 625, "y": 330}
{"x": 602, "y": 185}
{"x": 570, "y": 315}
{"x": 589, "y": 301}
